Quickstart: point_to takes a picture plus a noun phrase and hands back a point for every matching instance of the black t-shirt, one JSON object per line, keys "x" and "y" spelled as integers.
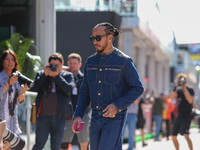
{"x": 77, "y": 80}
{"x": 184, "y": 107}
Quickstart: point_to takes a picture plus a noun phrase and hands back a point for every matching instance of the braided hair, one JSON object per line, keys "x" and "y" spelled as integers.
{"x": 110, "y": 29}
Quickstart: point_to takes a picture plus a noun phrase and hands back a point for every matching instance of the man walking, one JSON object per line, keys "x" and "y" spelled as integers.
{"x": 74, "y": 64}
{"x": 141, "y": 119}
{"x": 131, "y": 121}
{"x": 185, "y": 95}
{"x": 157, "y": 113}
{"x": 53, "y": 102}
{"x": 111, "y": 83}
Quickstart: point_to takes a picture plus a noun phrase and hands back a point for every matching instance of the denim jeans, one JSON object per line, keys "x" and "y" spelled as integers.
{"x": 131, "y": 122}
{"x": 105, "y": 132}
{"x": 46, "y": 125}
{"x": 158, "y": 120}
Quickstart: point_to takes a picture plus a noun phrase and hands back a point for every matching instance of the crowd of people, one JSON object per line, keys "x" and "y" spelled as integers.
{"x": 65, "y": 98}
{"x": 108, "y": 96}
{"x": 172, "y": 113}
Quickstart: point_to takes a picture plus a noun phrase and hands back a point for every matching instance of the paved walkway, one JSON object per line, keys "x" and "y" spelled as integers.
{"x": 152, "y": 145}
{"x": 168, "y": 145}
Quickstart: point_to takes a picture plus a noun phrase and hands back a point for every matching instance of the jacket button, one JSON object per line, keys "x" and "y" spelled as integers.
{"x": 100, "y": 69}
{"x": 99, "y": 93}
{"x": 97, "y": 107}
{"x": 99, "y": 81}
{"x": 120, "y": 110}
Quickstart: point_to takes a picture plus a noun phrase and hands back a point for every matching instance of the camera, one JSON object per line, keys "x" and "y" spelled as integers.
{"x": 22, "y": 79}
{"x": 53, "y": 67}
{"x": 16, "y": 142}
{"x": 181, "y": 81}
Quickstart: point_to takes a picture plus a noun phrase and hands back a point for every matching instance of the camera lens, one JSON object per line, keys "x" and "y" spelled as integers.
{"x": 16, "y": 142}
{"x": 53, "y": 68}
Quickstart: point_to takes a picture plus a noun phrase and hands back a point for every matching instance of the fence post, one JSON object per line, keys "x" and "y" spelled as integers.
{"x": 28, "y": 123}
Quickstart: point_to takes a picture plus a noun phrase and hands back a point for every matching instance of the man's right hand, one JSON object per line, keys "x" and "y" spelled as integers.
{"x": 46, "y": 70}
{"x": 78, "y": 120}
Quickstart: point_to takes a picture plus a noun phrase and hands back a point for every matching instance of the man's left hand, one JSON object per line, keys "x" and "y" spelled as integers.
{"x": 110, "y": 111}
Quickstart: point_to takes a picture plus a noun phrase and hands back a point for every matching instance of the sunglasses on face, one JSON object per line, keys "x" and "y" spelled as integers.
{"x": 98, "y": 37}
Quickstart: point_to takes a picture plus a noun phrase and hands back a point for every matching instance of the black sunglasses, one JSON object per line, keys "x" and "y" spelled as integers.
{"x": 98, "y": 37}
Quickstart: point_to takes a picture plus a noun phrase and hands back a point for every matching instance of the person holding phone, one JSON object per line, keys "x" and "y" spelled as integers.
{"x": 110, "y": 84}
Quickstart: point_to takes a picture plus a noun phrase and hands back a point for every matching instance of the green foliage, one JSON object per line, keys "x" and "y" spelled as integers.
{"x": 29, "y": 64}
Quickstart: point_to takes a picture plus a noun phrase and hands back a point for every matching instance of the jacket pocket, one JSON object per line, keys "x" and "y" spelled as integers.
{"x": 92, "y": 75}
{"x": 112, "y": 75}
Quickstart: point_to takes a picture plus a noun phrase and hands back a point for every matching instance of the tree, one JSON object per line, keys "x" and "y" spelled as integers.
{"x": 29, "y": 64}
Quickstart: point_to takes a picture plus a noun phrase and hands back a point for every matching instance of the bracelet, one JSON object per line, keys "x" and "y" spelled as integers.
{"x": 5, "y": 86}
{"x": 22, "y": 94}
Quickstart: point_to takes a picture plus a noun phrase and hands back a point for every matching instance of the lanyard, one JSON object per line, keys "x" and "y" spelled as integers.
{"x": 10, "y": 103}
{"x": 76, "y": 78}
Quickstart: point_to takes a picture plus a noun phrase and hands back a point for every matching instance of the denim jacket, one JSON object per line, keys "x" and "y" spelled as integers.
{"x": 64, "y": 82}
{"x": 109, "y": 79}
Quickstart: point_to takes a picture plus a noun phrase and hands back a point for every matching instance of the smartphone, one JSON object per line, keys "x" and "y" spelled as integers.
{"x": 80, "y": 128}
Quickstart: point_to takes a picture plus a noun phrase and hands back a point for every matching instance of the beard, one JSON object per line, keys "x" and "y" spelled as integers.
{"x": 101, "y": 50}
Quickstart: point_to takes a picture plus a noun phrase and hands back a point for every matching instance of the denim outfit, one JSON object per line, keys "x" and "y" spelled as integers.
{"x": 108, "y": 79}
{"x": 131, "y": 121}
{"x": 53, "y": 125}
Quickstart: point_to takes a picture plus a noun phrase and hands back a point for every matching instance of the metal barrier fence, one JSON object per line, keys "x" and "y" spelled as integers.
{"x": 29, "y": 97}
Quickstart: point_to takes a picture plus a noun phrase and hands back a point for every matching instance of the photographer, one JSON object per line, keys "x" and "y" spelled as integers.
{"x": 11, "y": 93}
{"x": 185, "y": 96}
{"x": 53, "y": 102}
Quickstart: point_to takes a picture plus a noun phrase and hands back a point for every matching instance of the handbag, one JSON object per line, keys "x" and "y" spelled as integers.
{"x": 33, "y": 113}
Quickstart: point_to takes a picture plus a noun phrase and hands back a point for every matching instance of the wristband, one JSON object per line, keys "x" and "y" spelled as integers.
{"x": 5, "y": 86}
{"x": 22, "y": 94}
